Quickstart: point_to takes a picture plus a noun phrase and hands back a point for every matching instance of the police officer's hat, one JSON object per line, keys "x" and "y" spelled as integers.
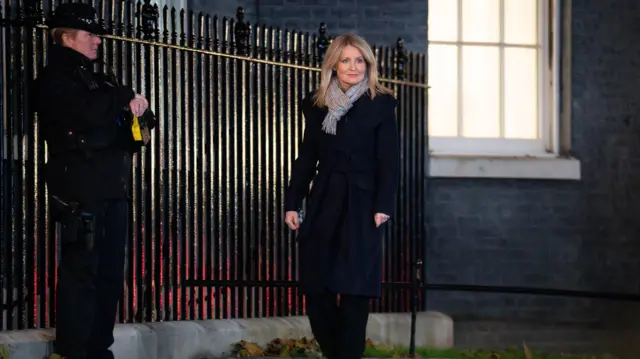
{"x": 77, "y": 16}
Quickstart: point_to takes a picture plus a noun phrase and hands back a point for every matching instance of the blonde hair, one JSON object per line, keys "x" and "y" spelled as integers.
{"x": 334, "y": 55}
{"x": 58, "y": 32}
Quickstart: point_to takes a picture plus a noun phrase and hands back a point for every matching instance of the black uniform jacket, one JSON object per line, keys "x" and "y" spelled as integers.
{"x": 83, "y": 116}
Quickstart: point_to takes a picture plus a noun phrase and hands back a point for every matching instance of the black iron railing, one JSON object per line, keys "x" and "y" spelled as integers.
{"x": 208, "y": 239}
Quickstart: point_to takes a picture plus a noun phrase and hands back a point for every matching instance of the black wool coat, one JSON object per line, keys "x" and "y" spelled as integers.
{"x": 353, "y": 175}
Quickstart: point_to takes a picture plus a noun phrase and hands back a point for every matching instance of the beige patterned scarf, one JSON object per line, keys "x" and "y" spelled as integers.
{"x": 339, "y": 102}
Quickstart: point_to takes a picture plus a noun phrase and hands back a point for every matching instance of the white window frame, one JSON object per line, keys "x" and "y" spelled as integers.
{"x": 545, "y": 158}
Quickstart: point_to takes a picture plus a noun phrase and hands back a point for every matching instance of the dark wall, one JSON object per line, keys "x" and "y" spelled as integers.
{"x": 377, "y": 22}
{"x": 561, "y": 234}
{"x": 576, "y": 235}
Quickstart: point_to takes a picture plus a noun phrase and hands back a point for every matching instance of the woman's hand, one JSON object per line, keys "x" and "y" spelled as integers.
{"x": 380, "y": 218}
{"x": 292, "y": 220}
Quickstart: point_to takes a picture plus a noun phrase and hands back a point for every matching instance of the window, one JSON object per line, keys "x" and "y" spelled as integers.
{"x": 178, "y": 4}
{"x": 493, "y": 70}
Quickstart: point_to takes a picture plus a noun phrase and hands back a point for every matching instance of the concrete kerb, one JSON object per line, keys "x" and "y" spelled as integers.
{"x": 215, "y": 338}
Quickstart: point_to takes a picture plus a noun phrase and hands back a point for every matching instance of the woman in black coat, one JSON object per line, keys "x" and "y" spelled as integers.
{"x": 350, "y": 155}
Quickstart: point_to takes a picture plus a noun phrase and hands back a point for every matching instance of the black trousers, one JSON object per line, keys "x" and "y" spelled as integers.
{"x": 340, "y": 328}
{"x": 90, "y": 284}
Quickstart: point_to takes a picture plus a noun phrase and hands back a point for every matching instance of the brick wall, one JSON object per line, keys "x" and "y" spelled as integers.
{"x": 379, "y": 24}
{"x": 560, "y": 234}
{"x": 577, "y": 235}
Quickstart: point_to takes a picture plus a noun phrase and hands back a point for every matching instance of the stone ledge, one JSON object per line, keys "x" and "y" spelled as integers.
{"x": 214, "y": 338}
{"x": 539, "y": 168}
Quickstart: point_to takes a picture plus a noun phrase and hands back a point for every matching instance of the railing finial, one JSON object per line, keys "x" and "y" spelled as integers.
{"x": 323, "y": 43}
{"x": 401, "y": 59}
{"x": 241, "y": 33}
{"x": 149, "y": 20}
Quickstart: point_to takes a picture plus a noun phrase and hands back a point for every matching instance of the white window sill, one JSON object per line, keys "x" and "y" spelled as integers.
{"x": 553, "y": 168}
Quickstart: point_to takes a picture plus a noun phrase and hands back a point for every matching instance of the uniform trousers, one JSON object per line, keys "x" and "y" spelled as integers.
{"x": 90, "y": 284}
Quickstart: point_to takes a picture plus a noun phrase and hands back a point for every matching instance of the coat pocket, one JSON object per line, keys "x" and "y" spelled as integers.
{"x": 364, "y": 182}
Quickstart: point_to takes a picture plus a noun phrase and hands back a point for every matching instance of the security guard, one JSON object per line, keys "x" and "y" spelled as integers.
{"x": 92, "y": 126}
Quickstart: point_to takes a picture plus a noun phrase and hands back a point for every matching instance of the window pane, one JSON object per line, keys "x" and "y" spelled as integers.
{"x": 520, "y": 93}
{"x": 480, "y": 20}
{"x": 481, "y": 91}
{"x": 443, "y": 91}
{"x": 520, "y": 22}
{"x": 443, "y": 20}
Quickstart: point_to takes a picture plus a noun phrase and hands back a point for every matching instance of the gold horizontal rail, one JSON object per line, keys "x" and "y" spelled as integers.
{"x": 243, "y": 58}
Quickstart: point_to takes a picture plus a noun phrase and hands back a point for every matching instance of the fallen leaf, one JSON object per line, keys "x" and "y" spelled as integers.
{"x": 249, "y": 349}
{"x": 284, "y": 351}
{"x": 527, "y": 351}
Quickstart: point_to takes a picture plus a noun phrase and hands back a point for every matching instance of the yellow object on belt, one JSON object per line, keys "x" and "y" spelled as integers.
{"x": 135, "y": 129}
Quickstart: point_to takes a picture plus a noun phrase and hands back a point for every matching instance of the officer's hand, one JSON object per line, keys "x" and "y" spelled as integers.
{"x": 139, "y": 105}
{"x": 292, "y": 220}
